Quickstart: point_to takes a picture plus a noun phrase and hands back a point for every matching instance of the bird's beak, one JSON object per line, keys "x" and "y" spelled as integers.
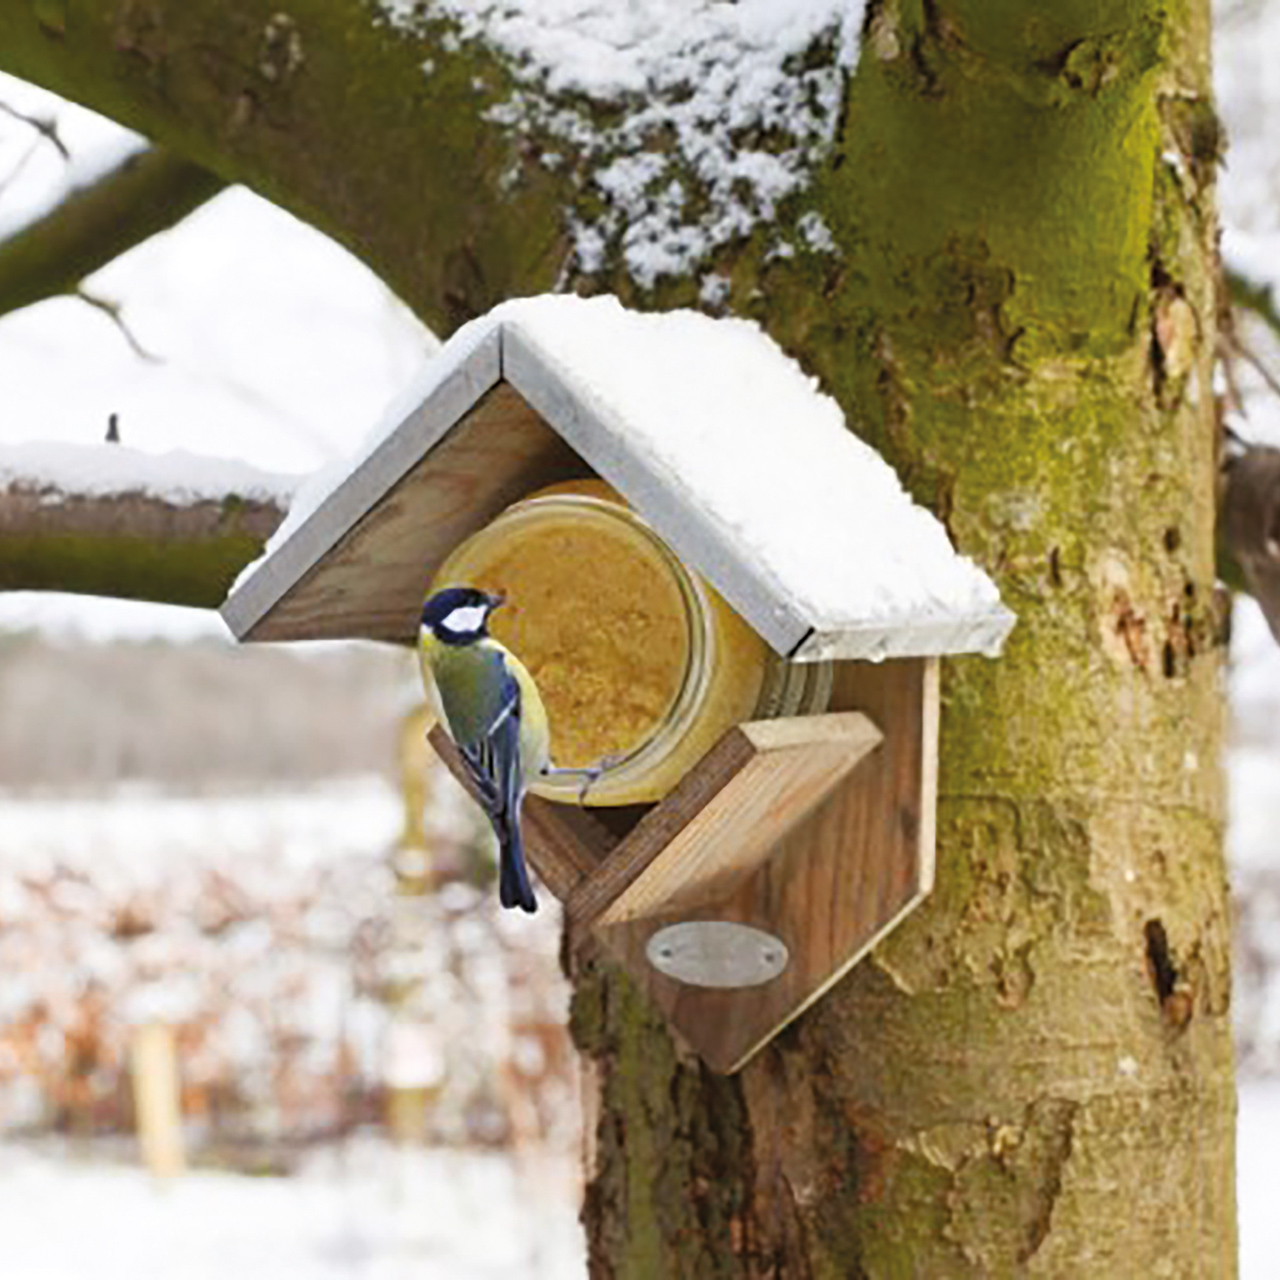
{"x": 497, "y": 600}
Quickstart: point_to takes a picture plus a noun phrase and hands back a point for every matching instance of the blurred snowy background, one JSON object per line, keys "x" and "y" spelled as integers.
{"x": 247, "y": 872}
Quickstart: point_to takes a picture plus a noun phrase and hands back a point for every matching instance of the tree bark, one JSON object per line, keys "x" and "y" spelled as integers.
{"x": 129, "y": 545}
{"x": 327, "y": 112}
{"x": 1033, "y": 1075}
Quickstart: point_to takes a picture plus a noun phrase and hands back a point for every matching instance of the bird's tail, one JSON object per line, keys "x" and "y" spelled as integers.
{"x": 514, "y": 889}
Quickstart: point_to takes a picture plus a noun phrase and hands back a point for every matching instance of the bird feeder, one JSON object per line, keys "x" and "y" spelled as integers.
{"x": 792, "y": 844}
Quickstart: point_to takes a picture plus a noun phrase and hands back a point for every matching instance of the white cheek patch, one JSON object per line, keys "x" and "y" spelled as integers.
{"x": 466, "y": 619}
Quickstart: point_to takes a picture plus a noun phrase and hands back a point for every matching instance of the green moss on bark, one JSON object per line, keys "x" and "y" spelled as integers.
{"x": 196, "y": 573}
{"x": 670, "y": 1198}
{"x": 327, "y": 111}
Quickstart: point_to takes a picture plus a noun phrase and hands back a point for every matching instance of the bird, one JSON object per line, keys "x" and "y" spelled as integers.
{"x": 492, "y": 709}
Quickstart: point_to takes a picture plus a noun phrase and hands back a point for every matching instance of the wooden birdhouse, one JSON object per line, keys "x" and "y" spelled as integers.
{"x": 720, "y": 590}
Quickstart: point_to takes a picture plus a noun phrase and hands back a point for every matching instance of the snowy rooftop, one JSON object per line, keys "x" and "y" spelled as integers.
{"x": 707, "y": 428}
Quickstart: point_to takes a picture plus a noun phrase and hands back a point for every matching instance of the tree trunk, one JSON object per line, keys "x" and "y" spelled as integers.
{"x": 1033, "y": 1075}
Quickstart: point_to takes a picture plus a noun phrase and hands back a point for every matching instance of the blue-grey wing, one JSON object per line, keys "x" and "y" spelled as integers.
{"x": 493, "y": 758}
{"x": 485, "y": 719}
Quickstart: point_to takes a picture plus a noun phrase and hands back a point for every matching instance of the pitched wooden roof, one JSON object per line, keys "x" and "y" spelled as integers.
{"x": 705, "y": 426}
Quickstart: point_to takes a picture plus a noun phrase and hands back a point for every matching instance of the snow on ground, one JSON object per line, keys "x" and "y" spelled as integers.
{"x": 363, "y": 1212}
{"x": 142, "y": 835}
{"x": 1258, "y": 1179}
{"x": 719, "y": 118}
{"x": 372, "y": 1213}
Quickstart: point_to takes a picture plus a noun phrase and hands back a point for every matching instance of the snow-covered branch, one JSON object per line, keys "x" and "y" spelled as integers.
{"x": 641, "y": 146}
{"x": 107, "y": 520}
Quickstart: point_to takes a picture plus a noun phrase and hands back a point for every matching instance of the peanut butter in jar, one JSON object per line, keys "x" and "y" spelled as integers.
{"x": 641, "y": 665}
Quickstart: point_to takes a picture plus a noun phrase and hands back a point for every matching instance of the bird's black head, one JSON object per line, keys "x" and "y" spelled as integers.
{"x": 458, "y": 615}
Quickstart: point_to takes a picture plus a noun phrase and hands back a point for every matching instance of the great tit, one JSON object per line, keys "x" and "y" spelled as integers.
{"x": 493, "y": 712}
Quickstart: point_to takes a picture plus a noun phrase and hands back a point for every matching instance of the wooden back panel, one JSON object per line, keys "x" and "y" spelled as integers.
{"x": 372, "y": 583}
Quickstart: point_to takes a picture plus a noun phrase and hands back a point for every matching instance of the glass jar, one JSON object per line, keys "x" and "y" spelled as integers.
{"x": 641, "y": 665}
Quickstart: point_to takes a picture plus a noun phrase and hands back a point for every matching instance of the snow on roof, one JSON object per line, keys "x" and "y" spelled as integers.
{"x": 737, "y": 458}
{"x": 739, "y": 433}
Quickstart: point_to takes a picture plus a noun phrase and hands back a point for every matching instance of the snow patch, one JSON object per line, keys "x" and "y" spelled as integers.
{"x": 109, "y": 470}
{"x": 816, "y": 234}
{"x": 719, "y": 111}
{"x": 359, "y": 1208}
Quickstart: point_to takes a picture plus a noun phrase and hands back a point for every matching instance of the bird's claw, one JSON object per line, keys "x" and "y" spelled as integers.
{"x": 590, "y": 774}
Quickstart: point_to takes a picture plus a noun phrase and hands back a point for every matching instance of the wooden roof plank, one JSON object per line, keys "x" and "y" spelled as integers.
{"x": 423, "y": 427}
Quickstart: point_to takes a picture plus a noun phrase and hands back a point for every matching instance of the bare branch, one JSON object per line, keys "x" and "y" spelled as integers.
{"x": 337, "y": 123}
{"x": 148, "y": 193}
{"x": 115, "y": 313}
{"x": 1234, "y": 346}
{"x": 1257, "y": 299}
{"x": 47, "y": 129}
{"x": 1250, "y": 521}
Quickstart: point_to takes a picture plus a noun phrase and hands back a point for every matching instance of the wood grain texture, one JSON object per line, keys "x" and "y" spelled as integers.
{"x": 831, "y": 887}
{"x": 725, "y": 817}
{"x": 371, "y": 582}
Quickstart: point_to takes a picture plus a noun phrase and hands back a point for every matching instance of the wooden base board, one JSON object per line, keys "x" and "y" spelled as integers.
{"x": 811, "y": 829}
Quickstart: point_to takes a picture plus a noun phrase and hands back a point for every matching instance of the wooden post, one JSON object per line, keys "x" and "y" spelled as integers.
{"x": 154, "y": 1063}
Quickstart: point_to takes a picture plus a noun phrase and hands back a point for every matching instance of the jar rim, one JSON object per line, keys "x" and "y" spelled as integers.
{"x": 653, "y": 746}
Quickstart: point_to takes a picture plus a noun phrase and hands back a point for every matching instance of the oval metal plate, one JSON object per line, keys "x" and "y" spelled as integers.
{"x": 717, "y": 953}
